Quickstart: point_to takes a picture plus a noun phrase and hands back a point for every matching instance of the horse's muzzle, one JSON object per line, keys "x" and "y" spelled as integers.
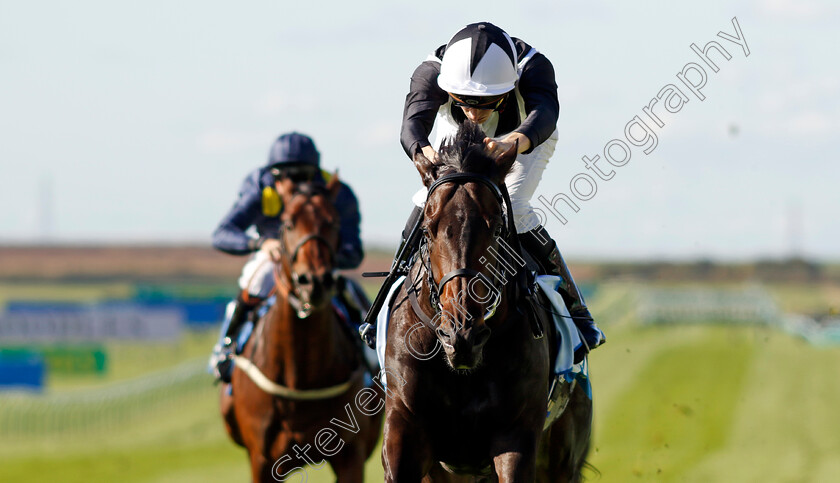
{"x": 464, "y": 348}
{"x": 316, "y": 290}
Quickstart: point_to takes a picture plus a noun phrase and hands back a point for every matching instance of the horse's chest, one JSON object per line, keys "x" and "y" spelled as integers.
{"x": 470, "y": 411}
{"x": 471, "y": 404}
{"x": 463, "y": 416}
{"x": 464, "y": 438}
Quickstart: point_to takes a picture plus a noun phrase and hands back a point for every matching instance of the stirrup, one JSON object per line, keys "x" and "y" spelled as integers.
{"x": 221, "y": 362}
{"x": 367, "y": 332}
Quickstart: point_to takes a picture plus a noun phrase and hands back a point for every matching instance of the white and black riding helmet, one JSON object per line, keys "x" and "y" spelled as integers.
{"x": 479, "y": 64}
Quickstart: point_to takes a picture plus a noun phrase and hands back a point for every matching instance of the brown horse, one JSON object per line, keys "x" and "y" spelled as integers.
{"x": 298, "y": 392}
{"x": 475, "y": 410}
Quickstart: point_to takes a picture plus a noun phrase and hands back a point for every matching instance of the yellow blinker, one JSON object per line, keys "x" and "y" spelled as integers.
{"x": 271, "y": 202}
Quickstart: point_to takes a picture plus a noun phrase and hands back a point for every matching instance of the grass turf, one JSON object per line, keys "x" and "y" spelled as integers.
{"x": 694, "y": 403}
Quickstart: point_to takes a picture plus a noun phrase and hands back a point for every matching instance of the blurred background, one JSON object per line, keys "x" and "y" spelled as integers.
{"x": 711, "y": 260}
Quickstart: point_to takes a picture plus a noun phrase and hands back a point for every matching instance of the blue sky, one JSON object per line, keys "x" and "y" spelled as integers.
{"x": 141, "y": 119}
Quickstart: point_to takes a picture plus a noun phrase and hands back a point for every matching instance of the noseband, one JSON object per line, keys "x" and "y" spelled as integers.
{"x": 309, "y": 238}
{"x": 435, "y": 289}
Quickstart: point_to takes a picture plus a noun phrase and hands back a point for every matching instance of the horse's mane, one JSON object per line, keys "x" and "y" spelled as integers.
{"x": 465, "y": 152}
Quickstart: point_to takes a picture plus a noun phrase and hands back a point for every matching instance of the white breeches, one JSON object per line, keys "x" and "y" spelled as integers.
{"x": 258, "y": 275}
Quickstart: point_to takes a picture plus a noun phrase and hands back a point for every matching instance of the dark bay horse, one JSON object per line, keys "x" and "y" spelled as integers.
{"x": 475, "y": 410}
{"x": 295, "y": 384}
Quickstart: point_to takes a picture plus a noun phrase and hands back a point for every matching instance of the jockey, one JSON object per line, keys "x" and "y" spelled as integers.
{"x": 508, "y": 88}
{"x": 292, "y": 156}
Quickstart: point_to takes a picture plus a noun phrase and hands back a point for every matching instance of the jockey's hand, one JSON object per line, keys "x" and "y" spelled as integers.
{"x": 430, "y": 154}
{"x": 504, "y": 143}
{"x": 273, "y": 248}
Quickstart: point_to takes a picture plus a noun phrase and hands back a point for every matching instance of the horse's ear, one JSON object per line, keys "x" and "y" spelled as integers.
{"x": 426, "y": 168}
{"x": 333, "y": 186}
{"x": 503, "y": 156}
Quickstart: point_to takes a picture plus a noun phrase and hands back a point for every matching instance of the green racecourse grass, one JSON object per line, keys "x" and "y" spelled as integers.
{"x": 700, "y": 403}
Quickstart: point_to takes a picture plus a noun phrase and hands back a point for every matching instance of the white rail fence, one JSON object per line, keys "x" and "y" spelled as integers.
{"x": 102, "y": 409}
{"x": 743, "y": 306}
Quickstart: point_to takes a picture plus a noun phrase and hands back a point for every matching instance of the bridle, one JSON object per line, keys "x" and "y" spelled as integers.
{"x": 288, "y": 283}
{"x": 503, "y": 232}
{"x": 286, "y": 265}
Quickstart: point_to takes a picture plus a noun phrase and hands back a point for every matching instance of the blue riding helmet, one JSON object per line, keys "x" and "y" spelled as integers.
{"x": 293, "y": 149}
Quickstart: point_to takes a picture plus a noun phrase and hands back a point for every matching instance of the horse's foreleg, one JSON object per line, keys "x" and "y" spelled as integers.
{"x": 261, "y": 469}
{"x": 349, "y": 464}
{"x": 405, "y": 454}
{"x": 229, "y": 415}
{"x": 515, "y": 459}
{"x": 438, "y": 475}
{"x": 569, "y": 439}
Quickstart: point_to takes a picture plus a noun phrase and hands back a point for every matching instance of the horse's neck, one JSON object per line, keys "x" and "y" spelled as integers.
{"x": 298, "y": 352}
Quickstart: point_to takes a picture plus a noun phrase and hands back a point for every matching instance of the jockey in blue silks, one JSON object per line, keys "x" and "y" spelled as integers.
{"x": 293, "y": 155}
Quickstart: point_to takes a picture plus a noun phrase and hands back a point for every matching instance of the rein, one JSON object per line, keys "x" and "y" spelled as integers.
{"x": 288, "y": 286}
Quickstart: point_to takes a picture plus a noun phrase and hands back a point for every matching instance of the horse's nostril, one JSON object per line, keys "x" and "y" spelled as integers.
{"x": 482, "y": 336}
{"x": 303, "y": 279}
{"x": 446, "y": 338}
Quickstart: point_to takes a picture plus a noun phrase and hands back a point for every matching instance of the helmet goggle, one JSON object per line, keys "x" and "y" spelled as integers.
{"x": 478, "y": 102}
{"x": 296, "y": 173}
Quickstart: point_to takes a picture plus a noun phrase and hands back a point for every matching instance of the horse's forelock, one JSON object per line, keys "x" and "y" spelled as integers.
{"x": 465, "y": 151}
{"x": 308, "y": 191}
